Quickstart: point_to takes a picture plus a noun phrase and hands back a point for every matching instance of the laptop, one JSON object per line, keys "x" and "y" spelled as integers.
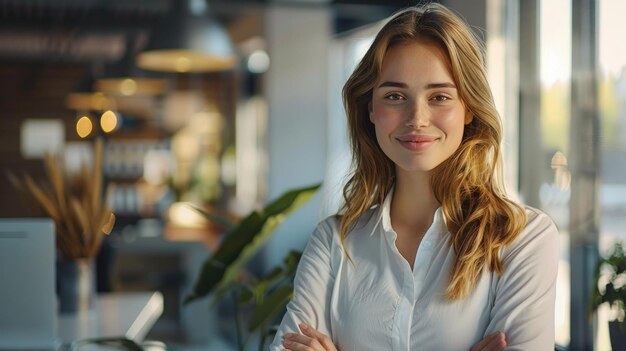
{"x": 27, "y": 293}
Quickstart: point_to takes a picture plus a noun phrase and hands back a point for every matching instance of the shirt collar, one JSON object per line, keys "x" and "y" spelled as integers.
{"x": 383, "y": 214}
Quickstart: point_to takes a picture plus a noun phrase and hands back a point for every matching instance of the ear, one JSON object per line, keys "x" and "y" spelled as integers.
{"x": 369, "y": 108}
{"x": 469, "y": 117}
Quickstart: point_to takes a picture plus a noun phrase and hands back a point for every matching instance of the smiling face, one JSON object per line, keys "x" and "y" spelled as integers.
{"x": 416, "y": 109}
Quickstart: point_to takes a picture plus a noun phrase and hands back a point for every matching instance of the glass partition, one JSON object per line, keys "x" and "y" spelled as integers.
{"x": 612, "y": 105}
{"x": 555, "y": 22}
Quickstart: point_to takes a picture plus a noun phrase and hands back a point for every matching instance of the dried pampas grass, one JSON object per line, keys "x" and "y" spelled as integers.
{"x": 74, "y": 201}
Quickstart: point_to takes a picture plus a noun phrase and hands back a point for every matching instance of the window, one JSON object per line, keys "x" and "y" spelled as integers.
{"x": 545, "y": 40}
{"x": 612, "y": 111}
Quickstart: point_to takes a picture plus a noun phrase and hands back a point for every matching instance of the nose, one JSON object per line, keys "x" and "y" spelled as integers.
{"x": 418, "y": 117}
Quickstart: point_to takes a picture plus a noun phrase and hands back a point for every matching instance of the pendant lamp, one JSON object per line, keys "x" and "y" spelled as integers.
{"x": 83, "y": 98}
{"x": 188, "y": 41}
{"x": 124, "y": 79}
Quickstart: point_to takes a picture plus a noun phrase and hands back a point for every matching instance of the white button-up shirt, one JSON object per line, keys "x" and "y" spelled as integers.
{"x": 377, "y": 302}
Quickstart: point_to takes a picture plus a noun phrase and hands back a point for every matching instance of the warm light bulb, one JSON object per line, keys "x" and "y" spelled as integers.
{"x": 183, "y": 215}
{"x": 108, "y": 121}
{"x": 182, "y": 64}
{"x": 84, "y": 126}
{"x": 128, "y": 87}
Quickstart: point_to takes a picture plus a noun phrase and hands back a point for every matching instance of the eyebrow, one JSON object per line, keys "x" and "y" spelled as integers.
{"x": 428, "y": 86}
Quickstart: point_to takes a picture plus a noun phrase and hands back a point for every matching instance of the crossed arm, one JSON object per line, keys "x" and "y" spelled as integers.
{"x": 313, "y": 340}
{"x": 523, "y": 308}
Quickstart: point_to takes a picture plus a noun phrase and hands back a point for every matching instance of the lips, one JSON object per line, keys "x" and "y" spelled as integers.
{"x": 415, "y": 142}
{"x": 411, "y": 138}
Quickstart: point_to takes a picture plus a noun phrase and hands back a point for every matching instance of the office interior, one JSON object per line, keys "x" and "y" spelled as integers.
{"x": 231, "y": 137}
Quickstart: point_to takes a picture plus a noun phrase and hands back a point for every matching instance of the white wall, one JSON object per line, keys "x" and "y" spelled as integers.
{"x": 298, "y": 42}
{"x": 299, "y": 134}
{"x": 474, "y": 12}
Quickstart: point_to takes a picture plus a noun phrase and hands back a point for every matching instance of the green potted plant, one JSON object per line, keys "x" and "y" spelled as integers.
{"x": 260, "y": 299}
{"x": 610, "y": 288}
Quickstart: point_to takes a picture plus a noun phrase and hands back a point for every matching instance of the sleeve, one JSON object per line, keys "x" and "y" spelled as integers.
{"x": 525, "y": 293}
{"x": 313, "y": 285}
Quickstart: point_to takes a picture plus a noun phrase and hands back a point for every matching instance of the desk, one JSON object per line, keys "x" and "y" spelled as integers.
{"x": 145, "y": 260}
{"x": 129, "y": 315}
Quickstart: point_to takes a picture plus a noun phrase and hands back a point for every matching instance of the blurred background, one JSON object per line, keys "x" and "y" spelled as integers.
{"x": 226, "y": 104}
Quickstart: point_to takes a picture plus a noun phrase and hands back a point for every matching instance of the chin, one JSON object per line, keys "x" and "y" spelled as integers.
{"x": 418, "y": 168}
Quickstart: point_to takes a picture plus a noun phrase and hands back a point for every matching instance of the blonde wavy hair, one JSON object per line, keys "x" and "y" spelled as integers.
{"x": 468, "y": 185}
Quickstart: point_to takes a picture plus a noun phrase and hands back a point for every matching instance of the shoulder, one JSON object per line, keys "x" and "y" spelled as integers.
{"x": 327, "y": 228}
{"x": 364, "y": 224}
{"x": 540, "y": 237}
{"x": 330, "y": 223}
{"x": 539, "y": 227}
{"x": 327, "y": 231}
{"x": 538, "y": 222}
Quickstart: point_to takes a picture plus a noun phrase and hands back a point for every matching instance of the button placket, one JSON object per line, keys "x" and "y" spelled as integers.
{"x": 422, "y": 258}
{"x": 405, "y": 313}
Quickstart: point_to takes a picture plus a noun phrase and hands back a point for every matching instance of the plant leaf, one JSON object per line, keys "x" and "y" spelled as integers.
{"x": 264, "y": 284}
{"x": 291, "y": 261}
{"x": 273, "y": 304}
{"x": 211, "y": 273}
{"x": 240, "y": 244}
{"x": 214, "y": 217}
{"x": 56, "y": 179}
{"x": 613, "y": 292}
{"x": 274, "y": 217}
{"x": 249, "y": 250}
{"x": 245, "y": 296}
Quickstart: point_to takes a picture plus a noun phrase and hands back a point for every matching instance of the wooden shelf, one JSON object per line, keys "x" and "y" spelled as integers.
{"x": 209, "y": 235}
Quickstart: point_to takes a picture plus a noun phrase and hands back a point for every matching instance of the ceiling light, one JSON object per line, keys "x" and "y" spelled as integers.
{"x": 127, "y": 86}
{"x": 89, "y": 102}
{"x": 186, "y": 43}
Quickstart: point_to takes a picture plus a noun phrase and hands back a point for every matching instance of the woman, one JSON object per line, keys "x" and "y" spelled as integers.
{"x": 427, "y": 252}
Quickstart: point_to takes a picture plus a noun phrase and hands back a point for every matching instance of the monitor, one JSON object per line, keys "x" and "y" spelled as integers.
{"x": 27, "y": 293}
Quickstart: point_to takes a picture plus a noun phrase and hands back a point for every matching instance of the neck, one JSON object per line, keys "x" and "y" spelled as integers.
{"x": 413, "y": 204}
